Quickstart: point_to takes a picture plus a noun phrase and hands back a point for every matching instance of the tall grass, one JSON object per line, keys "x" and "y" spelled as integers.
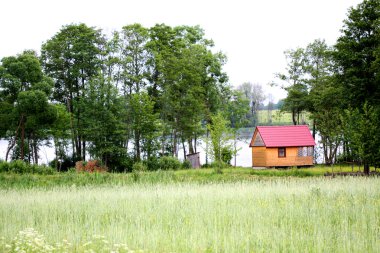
{"x": 279, "y": 215}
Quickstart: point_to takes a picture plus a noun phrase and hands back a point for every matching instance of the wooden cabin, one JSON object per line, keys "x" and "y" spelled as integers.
{"x": 282, "y": 146}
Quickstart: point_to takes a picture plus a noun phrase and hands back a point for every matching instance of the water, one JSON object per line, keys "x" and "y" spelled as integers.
{"x": 243, "y": 158}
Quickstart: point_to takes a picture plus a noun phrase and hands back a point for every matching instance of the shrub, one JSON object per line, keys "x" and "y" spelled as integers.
{"x": 62, "y": 165}
{"x": 139, "y": 166}
{"x": 218, "y": 166}
{"x": 18, "y": 166}
{"x": 4, "y": 166}
{"x": 169, "y": 163}
{"x": 226, "y": 155}
{"x": 137, "y": 169}
{"x": 186, "y": 164}
{"x": 90, "y": 166}
{"x": 153, "y": 163}
{"x": 42, "y": 169}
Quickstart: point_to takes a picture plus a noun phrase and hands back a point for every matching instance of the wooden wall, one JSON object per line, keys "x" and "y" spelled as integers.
{"x": 268, "y": 157}
{"x": 258, "y": 157}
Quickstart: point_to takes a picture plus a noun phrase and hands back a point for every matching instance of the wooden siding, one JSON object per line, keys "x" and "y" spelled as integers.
{"x": 258, "y": 157}
{"x": 291, "y": 159}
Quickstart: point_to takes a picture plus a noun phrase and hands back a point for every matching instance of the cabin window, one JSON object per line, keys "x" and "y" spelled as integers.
{"x": 305, "y": 151}
{"x": 281, "y": 152}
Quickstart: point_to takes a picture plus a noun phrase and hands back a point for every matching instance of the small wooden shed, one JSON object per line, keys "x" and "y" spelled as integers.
{"x": 194, "y": 160}
{"x": 282, "y": 146}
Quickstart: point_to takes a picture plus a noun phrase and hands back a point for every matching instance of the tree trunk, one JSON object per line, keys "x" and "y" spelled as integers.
{"x": 191, "y": 148}
{"x": 35, "y": 149}
{"x": 84, "y": 150}
{"x": 294, "y": 117}
{"x": 175, "y": 153}
{"x": 184, "y": 149}
{"x": 195, "y": 143}
{"x": 207, "y": 134}
{"x": 22, "y": 140}
{"x": 137, "y": 147}
{"x": 235, "y": 152}
{"x": 366, "y": 168}
{"x": 73, "y": 139}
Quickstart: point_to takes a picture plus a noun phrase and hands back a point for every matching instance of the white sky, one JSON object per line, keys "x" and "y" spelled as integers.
{"x": 252, "y": 33}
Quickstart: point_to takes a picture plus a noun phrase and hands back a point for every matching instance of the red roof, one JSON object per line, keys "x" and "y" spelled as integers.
{"x": 285, "y": 136}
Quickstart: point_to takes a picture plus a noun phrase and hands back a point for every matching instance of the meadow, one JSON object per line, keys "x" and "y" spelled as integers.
{"x": 279, "y": 117}
{"x": 265, "y": 214}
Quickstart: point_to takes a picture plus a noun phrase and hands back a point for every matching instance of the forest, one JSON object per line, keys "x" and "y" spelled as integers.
{"x": 141, "y": 93}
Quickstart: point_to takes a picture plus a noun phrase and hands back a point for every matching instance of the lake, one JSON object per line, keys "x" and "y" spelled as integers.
{"x": 243, "y": 158}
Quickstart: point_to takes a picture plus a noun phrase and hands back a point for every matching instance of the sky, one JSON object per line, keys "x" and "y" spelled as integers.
{"x": 252, "y": 33}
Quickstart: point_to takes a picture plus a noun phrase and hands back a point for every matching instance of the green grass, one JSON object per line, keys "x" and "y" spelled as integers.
{"x": 279, "y": 118}
{"x": 274, "y": 215}
{"x": 14, "y": 180}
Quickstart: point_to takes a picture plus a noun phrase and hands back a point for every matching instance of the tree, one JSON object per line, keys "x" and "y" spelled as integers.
{"x": 236, "y": 111}
{"x": 134, "y": 57}
{"x": 356, "y": 54}
{"x": 144, "y": 125}
{"x": 220, "y": 135}
{"x": 25, "y": 108}
{"x": 186, "y": 81}
{"x": 72, "y": 58}
{"x": 104, "y": 122}
{"x": 296, "y": 100}
{"x": 361, "y": 127}
{"x": 255, "y": 95}
{"x": 357, "y": 57}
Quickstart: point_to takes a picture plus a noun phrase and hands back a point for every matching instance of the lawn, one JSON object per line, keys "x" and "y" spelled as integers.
{"x": 268, "y": 214}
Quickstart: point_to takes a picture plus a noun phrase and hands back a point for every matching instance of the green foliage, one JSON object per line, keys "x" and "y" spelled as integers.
{"x": 21, "y": 167}
{"x": 226, "y": 155}
{"x": 356, "y": 54}
{"x": 186, "y": 164}
{"x": 220, "y": 135}
{"x": 169, "y": 163}
{"x": 139, "y": 167}
{"x": 143, "y": 124}
{"x": 362, "y": 133}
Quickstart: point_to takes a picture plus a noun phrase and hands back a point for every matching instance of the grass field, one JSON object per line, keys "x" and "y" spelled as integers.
{"x": 229, "y": 175}
{"x": 253, "y": 213}
{"x": 279, "y": 118}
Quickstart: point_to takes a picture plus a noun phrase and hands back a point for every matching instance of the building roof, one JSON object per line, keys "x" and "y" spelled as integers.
{"x": 285, "y": 136}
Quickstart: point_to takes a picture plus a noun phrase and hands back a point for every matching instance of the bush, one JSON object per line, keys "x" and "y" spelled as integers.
{"x": 4, "y": 166}
{"x": 90, "y": 166}
{"x": 186, "y": 164}
{"x": 139, "y": 167}
{"x": 18, "y": 166}
{"x": 169, "y": 163}
{"x": 217, "y": 164}
{"x": 226, "y": 155}
{"x": 62, "y": 165}
{"x": 153, "y": 163}
{"x": 22, "y": 167}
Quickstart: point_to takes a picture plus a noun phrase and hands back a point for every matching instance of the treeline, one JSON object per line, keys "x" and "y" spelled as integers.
{"x": 136, "y": 95}
{"x": 340, "y": 87}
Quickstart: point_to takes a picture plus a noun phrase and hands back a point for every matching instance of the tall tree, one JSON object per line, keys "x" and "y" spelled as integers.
{"x": 296, "y": 100}
{"x": 134, "y": 57}
{"x": 357, "y": 56}
{"x": 254, "y": 93}
{"x": 144, "y": 125}
{"x": 72, "y": 58}
{"x": 103, "y": 118}
{"x": 24, "y": 92}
